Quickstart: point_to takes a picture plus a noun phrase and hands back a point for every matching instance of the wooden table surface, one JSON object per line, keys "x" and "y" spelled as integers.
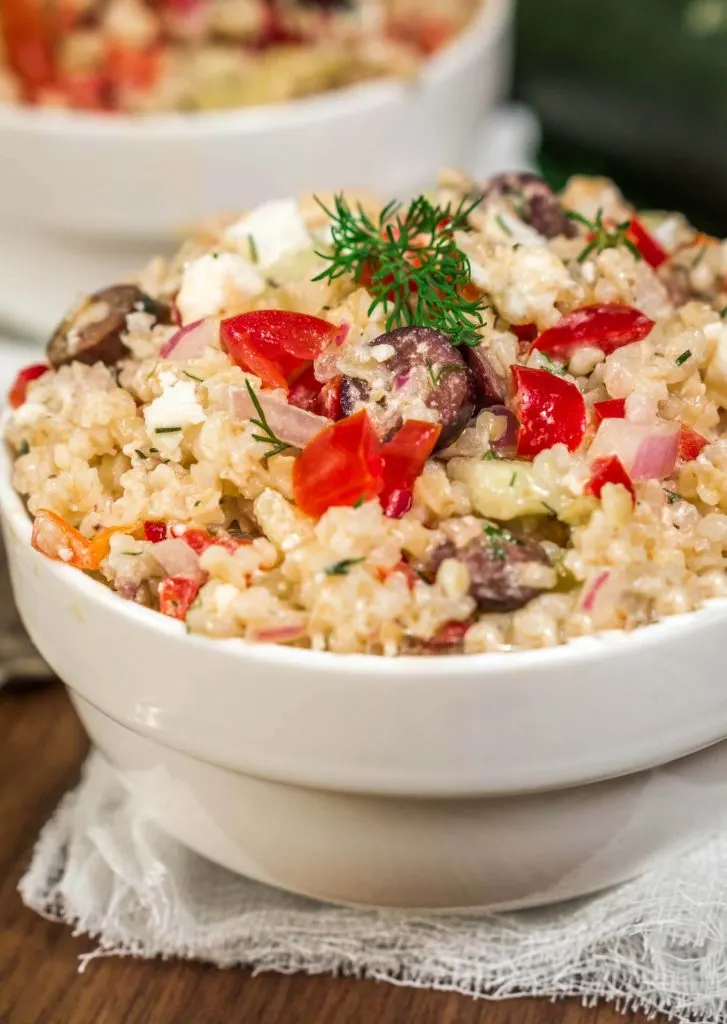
{"x": 41, "y": 749}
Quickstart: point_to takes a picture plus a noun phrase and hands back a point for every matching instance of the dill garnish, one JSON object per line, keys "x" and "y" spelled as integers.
{"x": 254, "y": 255}
{"x": 549, "y": 508}
{"x": 602, "y": 236}
{"x": 141, "y": 454}
{"x": 490, "y": 455}
{"x": 192, "y": 376}
{"x": 24, "y": 448}
{"x": 166, "y": 430}
{"x": 417, "y": 271}
{"x": 341, "y": 568}
{"x": 683, "y": 357}
{"x": 672, "y": 496}
{"x": 437, "y": 372}
{"x": 513, "y": 478}
{"x": 359, "y": 502}
{"x": 503, "y": 224}
{"x": 267, "y": 437}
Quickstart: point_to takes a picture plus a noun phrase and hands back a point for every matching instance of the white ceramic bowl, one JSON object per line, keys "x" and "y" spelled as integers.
{"x": 86, "y": 198}
{"x": 492, "y": 780}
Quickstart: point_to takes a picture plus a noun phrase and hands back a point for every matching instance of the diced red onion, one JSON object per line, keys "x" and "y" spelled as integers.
{"x": 506, "y": 443}
{"x": 282, "y": 634}
{"x": 601, "y": 595}
{"x": 325, "y": 365}
{"x": 177, "y": 558}
{"x": 592, "y": 590}
{"x": 648, "y": 451}
{"x": 402, "y": 380}
{"x": 189, "y": 342}
{"x": 293, "y": 425}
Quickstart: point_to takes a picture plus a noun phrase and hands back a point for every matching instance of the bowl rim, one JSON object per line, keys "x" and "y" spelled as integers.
{"x": 485, "y": 29}
{"x": 580, "y": 651}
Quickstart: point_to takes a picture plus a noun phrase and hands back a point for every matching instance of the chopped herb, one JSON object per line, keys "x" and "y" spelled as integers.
{"x": 325, "y": 309}
{"x": 359, "y": 502}
{"x": 672, "y": 496}
{"x": 549, "y": 509}
{"x": 197, "y": 503}
{"x": 166, "y": 430}
{"x": 192, "y": 376}
{"x": 549, "y": 364}
{"x": 490, "y": 455}
{"x": 723, "y": 312}
{"x": 503, "y": 224}
{"x": 419, "y": 272}
{"x": 341, "y": 568}
{"x": 271, "y": 282}
{"x": 254, "y": 255}
{"x": 131, "y": 554}
{"x": 513, "y": 478}
{"x": 140, "y": 453}
{"x": 683, "y": 357}
{"x": 24, "y": 448}
{"x": 215, "y": 255}
{"x": 502, "y": 534}
{"x": 437, "y": 372}
{"x": 154, "y": 451}
{"x": 698, "y": 258}
{"x": 267, "y": 437}
{"x": 602, "y": 236}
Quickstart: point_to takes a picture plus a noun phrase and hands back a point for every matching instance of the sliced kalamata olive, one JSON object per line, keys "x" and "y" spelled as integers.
{"x": 495, "y": 563}
{"x": 534, "y": 200}
{"x": 426, "y": 365}
{"x": 92, "y": 333}
{"x": 490, "y": 384}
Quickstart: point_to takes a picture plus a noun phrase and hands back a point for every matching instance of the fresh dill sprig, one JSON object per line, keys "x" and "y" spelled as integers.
{"x": 436, "y": 372}
{"x": 683, "y": 357}
{"x": 418, "y": 273}
{"x": 268, "y": 436}
{"x": 341, "y": 568}
{"x": 603, "y": 236}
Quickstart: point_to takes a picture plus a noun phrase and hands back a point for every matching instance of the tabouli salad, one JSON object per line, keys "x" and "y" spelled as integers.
{"x": 488, "y": 419}
{"x": 141, "y": 56}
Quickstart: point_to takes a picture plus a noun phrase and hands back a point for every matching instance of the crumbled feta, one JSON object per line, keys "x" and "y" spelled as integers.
{"x": 216, "y": 283}
{"x": 276, "y": 228}
{"x": 167, "y": 416}
{"x": 224, "y": 597}
{"x": 28, "y": 414}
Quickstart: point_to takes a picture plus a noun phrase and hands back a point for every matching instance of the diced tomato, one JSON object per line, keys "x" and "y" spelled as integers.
{"x": 199, "y": 540}
{"x": 451, "y": 634}
{"x": 651, "y": 251}
{"x": 86, "y": 90}
{"x": 404, "y": 457}
{"x": 610, "y": 409}
{"x": 328, "y": 402}
{"x": 524, "y": 332}
{"x": 339, "y": 466}
{"x": 276, "y": 345}
{"x": 609, "y": 326}
{"x": 27, "y": 36}
{"x": 176, "y": 595}
{"x": 57, "y": 539}
{"x": 19, "y": 390}
{"x": 608, "y": 470}
{"x": 131, "y": 68}
{"x": 406, "y": 571}
{"x": 690, "y": 443}
{"x": 305, "y": 390}
{"x": 550, "y": 409}
{"x": 155, "y": 531}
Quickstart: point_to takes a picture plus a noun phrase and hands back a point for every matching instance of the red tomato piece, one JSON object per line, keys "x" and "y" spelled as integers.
{"x": 404, "y": 457}
{"x": 651, "y": 251}
{"x": 305, "y": 390}
{"x": 155, "y": 531}
{"x": 524, "y": 332}
{"x": 176, "y": 595}
{"x": 610, "y": 409}
{"x": 608, "y": 470}
{"x": 131, "y": 68}
{"x": 609, "y": 326}
{"x": 274, "y": 344}
{"x": 690, "y": 443}
{"x": 27, "y": 29}
{"x": 449, "y": 635}
{"x": 339, "y": 466}
{"x": 551, "y": 410}
{"x": 328, "y": 402}
{"x": 19, "y": 390}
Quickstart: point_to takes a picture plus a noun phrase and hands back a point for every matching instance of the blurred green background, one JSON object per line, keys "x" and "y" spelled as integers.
{"x": 635, "y": 89}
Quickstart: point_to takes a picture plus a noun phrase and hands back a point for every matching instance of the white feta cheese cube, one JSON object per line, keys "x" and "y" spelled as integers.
{"x": 214, "y": 284}
{"x": 277, "y": 229}
{"x": 167, "y": 416}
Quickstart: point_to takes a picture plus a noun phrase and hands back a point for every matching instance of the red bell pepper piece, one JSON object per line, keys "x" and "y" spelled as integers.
{"x": 18, "y": 392}
{"x": 608, "y": 470}
{"x": 609, "y": 326}
{"x": 404, "y": 457}
{"x": 339, "y": 466}
{"x": 451, "y": 634}
{"x": 176, "y": 595}
{"x": 274, "y": 344}
{"x": 690, "y": 444}
{"x": 551, "y": 410}
{"x": 651, "y": 251}
{"x": 610, "y": 409}
{"x": 155, "y": 531}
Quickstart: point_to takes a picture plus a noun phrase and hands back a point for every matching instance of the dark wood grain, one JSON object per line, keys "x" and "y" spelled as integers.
{"x": 41, "y": 749}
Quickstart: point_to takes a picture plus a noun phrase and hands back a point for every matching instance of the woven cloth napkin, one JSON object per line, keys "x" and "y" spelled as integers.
{"x": 658, "y": 944}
